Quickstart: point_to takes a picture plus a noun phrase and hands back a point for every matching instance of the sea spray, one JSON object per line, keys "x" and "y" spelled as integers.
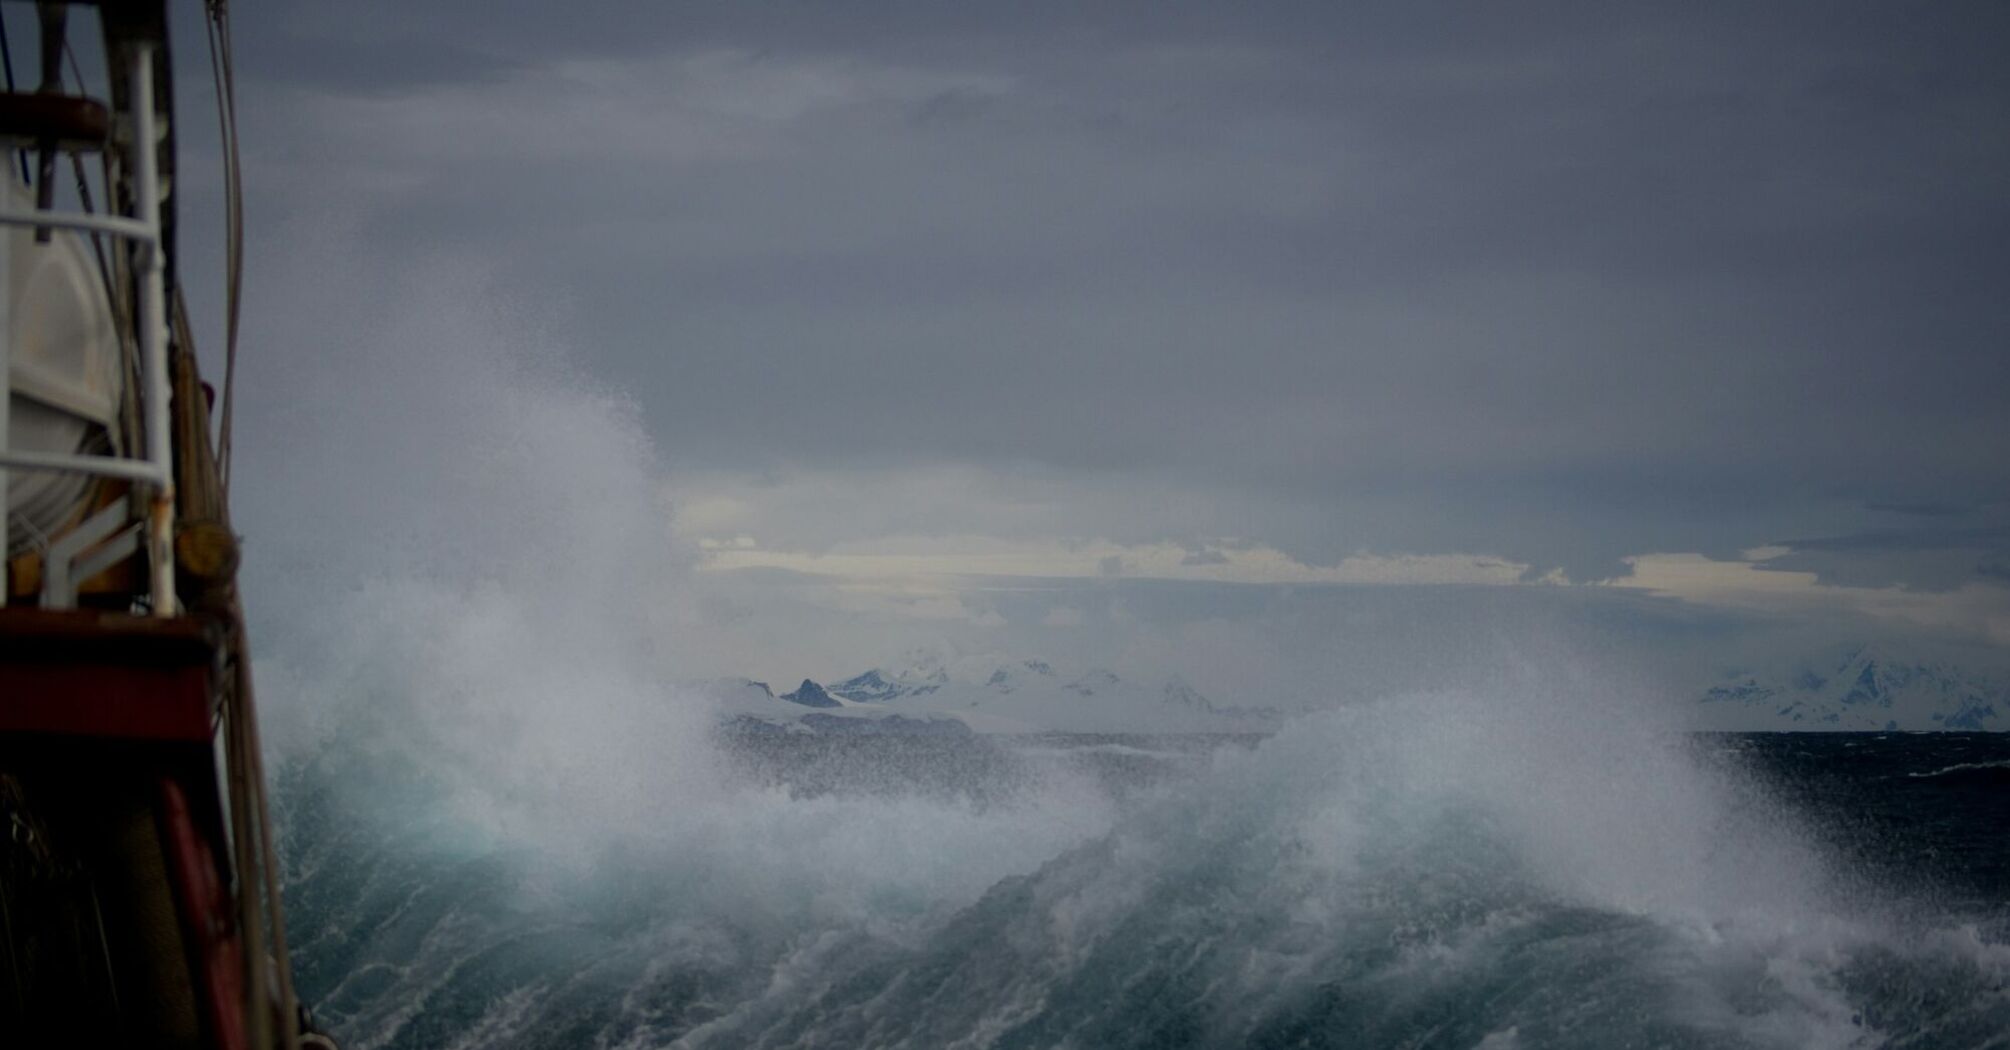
{"x": 493, "y": 805}
{"x": 1430, "y": 870}
{"x": 460, "y": 539}
{"x": 1427, "y": 871}
{"x": 502, "y": 827}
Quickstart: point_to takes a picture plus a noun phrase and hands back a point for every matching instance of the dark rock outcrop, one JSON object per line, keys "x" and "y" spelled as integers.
{"x": 810, "y": 694}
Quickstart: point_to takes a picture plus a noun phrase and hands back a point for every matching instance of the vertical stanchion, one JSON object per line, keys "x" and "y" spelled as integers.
{"x": 153, "y": 331}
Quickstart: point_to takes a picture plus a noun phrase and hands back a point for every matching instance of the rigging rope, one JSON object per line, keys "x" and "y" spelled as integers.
{"x": 258, "y": 837}
{"x": 7, "y": 60}
{"x": 223, "y": 72}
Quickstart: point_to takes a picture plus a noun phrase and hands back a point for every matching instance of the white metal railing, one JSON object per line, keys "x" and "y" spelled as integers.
{"x": 156, "y": 468}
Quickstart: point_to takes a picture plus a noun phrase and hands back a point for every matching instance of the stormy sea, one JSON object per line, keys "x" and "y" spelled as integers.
{"x": 1431, "y": 871}
{"x": 501, "y": 826}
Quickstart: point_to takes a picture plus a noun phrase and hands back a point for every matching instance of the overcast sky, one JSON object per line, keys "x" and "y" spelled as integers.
{"x": 1704, "y": 303}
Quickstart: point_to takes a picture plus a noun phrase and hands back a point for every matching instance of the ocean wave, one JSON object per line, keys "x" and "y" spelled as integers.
{"x": 1963, "y": 767}
{"x": 1432, "y": 871}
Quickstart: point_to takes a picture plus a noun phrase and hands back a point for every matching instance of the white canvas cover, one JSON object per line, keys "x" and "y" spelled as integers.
{"x": 65, "y": 381}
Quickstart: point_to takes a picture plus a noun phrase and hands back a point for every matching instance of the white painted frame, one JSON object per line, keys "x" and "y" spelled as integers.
{"x": 156, "y": 468}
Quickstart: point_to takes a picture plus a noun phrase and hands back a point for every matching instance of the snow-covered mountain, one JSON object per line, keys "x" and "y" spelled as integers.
{"x": 1860, "y": 687}
{"x": 879, "y": 685}
{"x": 987, "y": 695}
{"x": 1035, "y": 696}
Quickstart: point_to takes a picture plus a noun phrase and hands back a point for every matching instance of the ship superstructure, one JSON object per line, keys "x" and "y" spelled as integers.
{"x": 139, "y": 898}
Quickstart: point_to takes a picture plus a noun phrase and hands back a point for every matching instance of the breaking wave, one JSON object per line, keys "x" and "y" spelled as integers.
{"x": 1442, "y": 870}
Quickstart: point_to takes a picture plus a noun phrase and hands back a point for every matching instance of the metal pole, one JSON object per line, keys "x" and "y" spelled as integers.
{"x": 153, "y": 331}
{"x": 98, "y": 466}
{"x": 116, "y": 225}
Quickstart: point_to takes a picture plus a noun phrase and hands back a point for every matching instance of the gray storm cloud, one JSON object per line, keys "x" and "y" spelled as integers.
{"x": 1556, "y": 287}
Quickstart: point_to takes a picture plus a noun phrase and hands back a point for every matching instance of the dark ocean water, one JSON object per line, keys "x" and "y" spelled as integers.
{"x": 1359, "y": 880}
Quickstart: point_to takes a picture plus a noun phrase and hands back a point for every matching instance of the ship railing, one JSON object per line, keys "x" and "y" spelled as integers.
{"x": 100, "y": 539}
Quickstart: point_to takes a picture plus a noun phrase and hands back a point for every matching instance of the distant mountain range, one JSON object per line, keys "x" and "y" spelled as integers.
{"x": 1860, "y": 687}
{"x": 985, "y": 695}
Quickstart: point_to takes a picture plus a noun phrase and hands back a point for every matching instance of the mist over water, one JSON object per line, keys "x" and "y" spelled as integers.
{"x": 503, "y": 826}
